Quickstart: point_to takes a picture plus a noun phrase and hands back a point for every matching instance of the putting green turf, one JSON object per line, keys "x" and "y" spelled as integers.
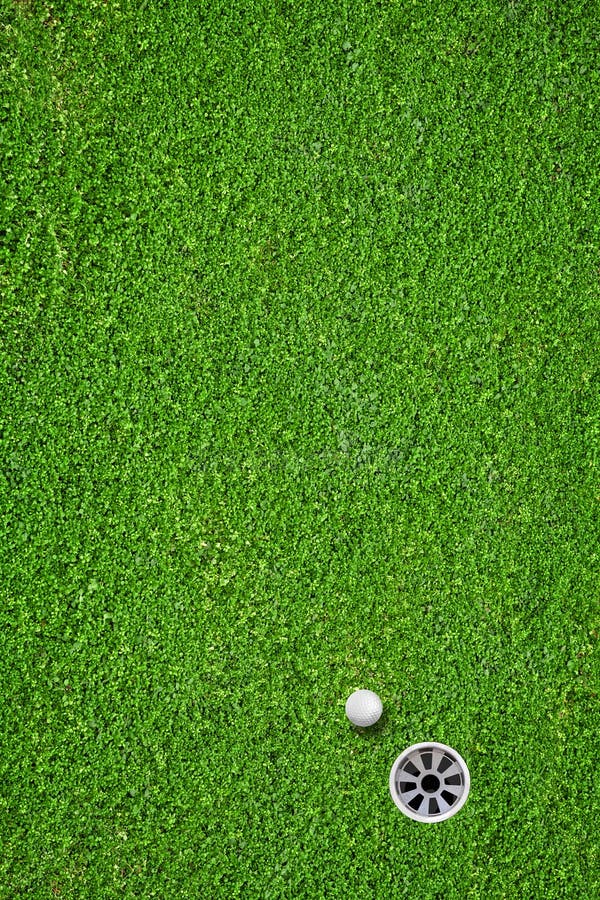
{"x": 299, "y": 394}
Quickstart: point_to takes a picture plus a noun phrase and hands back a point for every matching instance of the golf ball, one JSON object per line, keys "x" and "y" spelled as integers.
{"x": 364, "y": 708}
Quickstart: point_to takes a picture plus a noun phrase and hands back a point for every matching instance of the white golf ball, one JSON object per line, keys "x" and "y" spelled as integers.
{"x": 364, "y": 708}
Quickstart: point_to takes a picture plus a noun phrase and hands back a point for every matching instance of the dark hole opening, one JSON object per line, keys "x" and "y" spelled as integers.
{"x": 430, "y": 784}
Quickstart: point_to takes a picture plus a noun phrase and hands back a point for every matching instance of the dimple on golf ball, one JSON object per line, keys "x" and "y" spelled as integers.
{"x": 364, "y": 708}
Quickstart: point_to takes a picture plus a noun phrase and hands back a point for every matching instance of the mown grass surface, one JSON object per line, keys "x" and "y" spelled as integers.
{"x": 299, "y": 394}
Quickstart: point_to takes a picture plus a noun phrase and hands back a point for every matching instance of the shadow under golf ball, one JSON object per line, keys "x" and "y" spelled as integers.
{"x": 378, "y": 727}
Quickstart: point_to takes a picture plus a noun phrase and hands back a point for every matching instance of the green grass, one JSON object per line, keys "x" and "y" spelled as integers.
{"x": 299, "y": 393}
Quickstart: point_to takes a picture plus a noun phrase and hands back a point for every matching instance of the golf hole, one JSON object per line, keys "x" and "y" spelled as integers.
{"x": 430, "y": 782}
